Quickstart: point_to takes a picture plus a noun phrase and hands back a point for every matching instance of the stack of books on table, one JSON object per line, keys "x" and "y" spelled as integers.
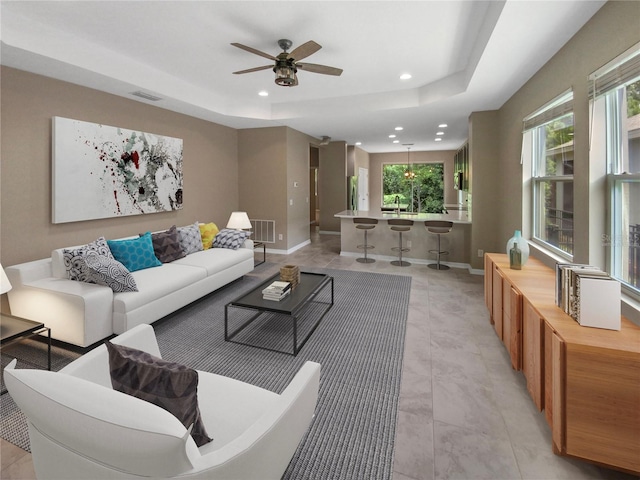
{"x": 277, "y": 290}
{"x": 590, "y": 296}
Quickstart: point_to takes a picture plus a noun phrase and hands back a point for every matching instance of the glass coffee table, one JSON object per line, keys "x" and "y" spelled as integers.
{"x": 275, "y": 325}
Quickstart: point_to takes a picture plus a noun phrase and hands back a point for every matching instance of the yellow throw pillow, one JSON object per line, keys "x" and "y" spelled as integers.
{"x": 208, "y": 231}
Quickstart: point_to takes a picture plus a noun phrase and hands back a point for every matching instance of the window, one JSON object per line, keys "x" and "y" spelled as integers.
{"x": 549, "y": 136}
{"x": 615, "y": 104}
{"x": 419, "y": 187}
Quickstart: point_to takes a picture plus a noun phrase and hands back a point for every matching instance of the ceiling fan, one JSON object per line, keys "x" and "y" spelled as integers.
{"x": 287, "y": 63}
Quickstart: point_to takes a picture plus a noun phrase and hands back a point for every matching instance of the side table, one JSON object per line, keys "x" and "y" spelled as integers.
{"x": 14, "y": 329}
{"x": 264, "y": 252}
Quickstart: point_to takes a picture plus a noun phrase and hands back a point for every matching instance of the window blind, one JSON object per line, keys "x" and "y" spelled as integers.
{"x": 620, "y": 71}
{"x": 557, "y": 108}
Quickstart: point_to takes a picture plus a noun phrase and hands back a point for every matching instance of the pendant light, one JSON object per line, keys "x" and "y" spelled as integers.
{"x": 409, "y": 174}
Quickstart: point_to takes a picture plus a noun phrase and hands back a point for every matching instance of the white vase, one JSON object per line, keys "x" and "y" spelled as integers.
{"x": 517, "y": 251}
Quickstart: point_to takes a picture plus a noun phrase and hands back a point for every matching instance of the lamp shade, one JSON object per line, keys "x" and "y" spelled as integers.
{"x": 238, "y": 221}
{"x": 5, "y": 284}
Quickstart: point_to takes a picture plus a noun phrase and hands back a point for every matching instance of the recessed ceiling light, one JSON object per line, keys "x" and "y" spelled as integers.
{"x": 396, "y": 141}
{"x": 443, "y": 125}
{"x": 399, "y": 128}
{"x": 438, "y": 139}
{"x": 263, "y": 93}
{"x": 439, "y": 133}
{"x": 358, "y": 143}
{"x": 392, "y": 136}
{"x": 405, "y": 76}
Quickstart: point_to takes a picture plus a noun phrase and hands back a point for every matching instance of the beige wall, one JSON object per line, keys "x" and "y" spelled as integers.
{"x": 28, "y": 104}
{"x": 611, "y": 31}
{"x": 272, "y": 161}
{"x": 262, "y": 159}
{"x": 376, "y": 160}
{"x": 487, "y": 186}
{"x": 332, "y": 184}
{"x": 298, "y": 187}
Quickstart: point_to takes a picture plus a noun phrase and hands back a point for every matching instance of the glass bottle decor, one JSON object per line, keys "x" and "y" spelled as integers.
{"x": 517, "y": 251}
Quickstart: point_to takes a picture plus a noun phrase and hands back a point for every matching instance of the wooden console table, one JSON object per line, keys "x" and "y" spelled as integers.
{"x": 587, "y": 380}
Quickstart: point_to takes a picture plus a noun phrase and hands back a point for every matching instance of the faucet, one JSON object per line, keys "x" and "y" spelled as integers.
{"x": 397, "y": 204}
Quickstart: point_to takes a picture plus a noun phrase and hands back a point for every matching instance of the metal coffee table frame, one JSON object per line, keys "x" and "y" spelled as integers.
{"x": 310, "y": 286}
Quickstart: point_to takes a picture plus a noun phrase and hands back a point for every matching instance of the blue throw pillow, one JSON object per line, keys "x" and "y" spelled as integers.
{"x": 135, "y": 253}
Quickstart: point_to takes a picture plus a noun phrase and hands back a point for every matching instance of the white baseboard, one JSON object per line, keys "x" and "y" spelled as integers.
{"x": 290, "y": 250}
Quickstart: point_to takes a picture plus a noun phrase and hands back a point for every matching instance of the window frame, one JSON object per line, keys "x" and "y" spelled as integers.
{"x": 558, "y": 108}
{"x": 608, "y": 107}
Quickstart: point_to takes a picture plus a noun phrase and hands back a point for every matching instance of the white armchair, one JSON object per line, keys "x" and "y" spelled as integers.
{"x": 79, "y": 427}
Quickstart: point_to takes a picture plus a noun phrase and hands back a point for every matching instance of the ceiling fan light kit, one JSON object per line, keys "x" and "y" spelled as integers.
{"x": 286, "y": 64}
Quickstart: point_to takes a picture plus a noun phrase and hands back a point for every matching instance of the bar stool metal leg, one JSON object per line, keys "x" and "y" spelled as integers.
{"x": 400, "y": 225}
{"x": 439, "y": 227}
{"x": 365, "y": 224}
{"x": 365, "y": 247}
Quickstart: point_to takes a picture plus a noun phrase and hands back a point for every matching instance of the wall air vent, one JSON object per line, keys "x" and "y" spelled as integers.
{"x": 146, "y": 96}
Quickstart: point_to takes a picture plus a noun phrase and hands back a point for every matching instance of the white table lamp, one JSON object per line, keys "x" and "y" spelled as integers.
{"x": 239, "y": 221}
{"x": 5, "y": 284}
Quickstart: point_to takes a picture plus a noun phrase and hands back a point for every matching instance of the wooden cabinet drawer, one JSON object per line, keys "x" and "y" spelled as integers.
{"x": 488, "y": 285}
{"x": 602, "y": 405}
{"x": 513, "y": 333}
{"x": 497, "y": 302}
{"x": 532, "y": 356}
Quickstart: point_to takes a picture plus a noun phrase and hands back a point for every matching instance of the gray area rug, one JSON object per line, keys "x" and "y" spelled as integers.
{"x": 359, "y": 344}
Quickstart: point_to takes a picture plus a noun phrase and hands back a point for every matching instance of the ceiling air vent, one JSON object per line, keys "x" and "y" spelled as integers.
{"x": 146, "y": 96}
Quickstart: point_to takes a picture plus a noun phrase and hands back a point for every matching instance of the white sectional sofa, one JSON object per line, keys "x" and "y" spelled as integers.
{"x": 84, "y": 313}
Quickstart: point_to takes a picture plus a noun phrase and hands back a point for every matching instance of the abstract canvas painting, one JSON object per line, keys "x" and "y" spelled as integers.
{"x": 101, "y": 171}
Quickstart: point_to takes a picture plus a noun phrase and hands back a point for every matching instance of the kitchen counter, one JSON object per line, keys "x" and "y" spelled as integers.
{"x": 419, "y": 240}
{"x": 455, "y": 216}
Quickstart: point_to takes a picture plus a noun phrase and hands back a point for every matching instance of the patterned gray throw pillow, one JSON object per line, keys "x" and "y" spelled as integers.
{"x": 168, "y": 385}
{"x": 166, "y": 245}
{"x": 228, "y": 238}
{"x": 74, "y": 259}
{"x": 109, "y": 272}
{"x": 190, "y": 238}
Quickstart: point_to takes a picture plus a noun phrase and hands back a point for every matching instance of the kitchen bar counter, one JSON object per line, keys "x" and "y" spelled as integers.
{"x": 455, "y": 216}
{"x": 418, "y": 239}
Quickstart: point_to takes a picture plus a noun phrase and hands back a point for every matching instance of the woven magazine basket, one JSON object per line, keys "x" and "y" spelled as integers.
{"x": 290, "y": 273}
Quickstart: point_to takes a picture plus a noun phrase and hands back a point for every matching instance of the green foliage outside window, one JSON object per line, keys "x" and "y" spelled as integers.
{"x": 425, "y": 194}
{"x": 633, "y": 99}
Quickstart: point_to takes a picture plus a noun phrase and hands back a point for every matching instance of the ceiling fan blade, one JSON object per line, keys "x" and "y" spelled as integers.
{"x": 253, "y": 50}
{"x": 304, "y": 50}
{"x": 255, "y": 69}
{"x": 325, "y": 70}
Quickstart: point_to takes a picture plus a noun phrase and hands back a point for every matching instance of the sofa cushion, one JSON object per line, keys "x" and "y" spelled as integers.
{"x": 166, "y": 245}
{"x": 208, "y": 232}
{"x": 169, "y": 385}
{"x": 190, "y": 238}
{"x": 110, "y": 272}
{"x": 74, "y": 259}
{"x": 155, "y": 283}
{"x": 228, "y": 238}
{"x": 128, "y": 434}
{"x": 216, "y": 260}
{"x": 135, "y": 253}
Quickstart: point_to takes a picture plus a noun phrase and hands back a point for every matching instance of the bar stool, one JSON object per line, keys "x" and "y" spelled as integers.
{"x": 439, "y": 227}
{"x": 400, "y": 225}
{"x": 365, "y": 224}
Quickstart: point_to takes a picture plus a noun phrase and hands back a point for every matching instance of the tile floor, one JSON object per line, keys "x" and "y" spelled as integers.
{"x": 463, "y": 412}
